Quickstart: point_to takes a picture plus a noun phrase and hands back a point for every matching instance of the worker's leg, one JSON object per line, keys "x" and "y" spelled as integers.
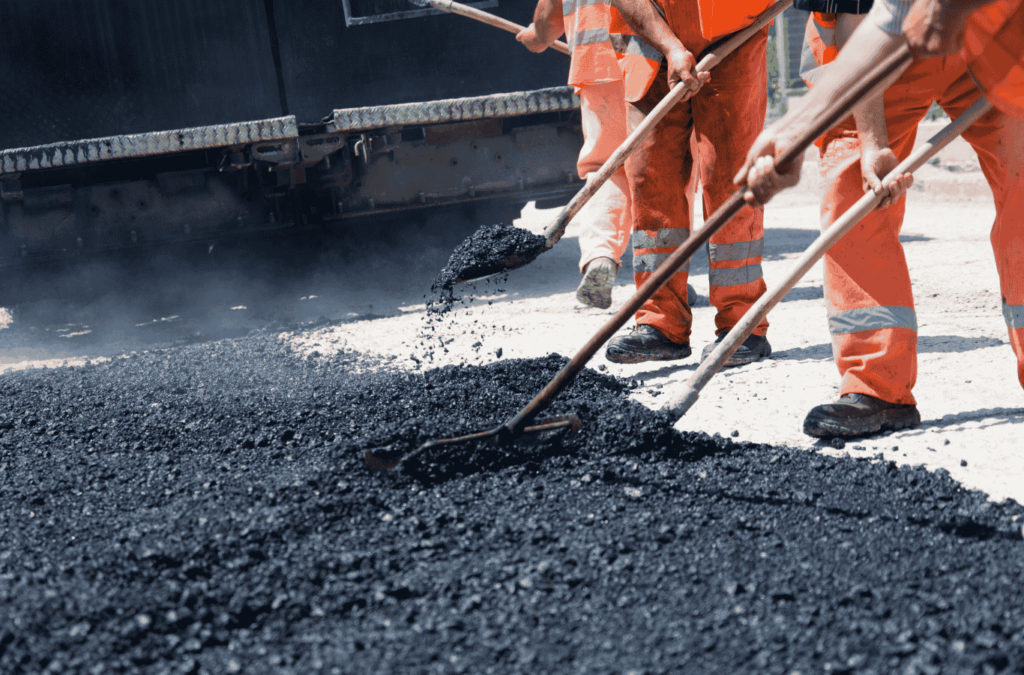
{"x": 658, "y": 173}
{"x": 1008, "y": 245}
{"x": 999, "y": 141}
{"x": 605, "y": 221}
{"x": 867, "y": 285}
{"x": 729, "y": 114}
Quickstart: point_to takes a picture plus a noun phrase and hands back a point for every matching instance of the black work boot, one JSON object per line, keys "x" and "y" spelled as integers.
{"x": 644, "y": 343}
{"x": 754, "y": 348}
{"x": 859, "y": 414}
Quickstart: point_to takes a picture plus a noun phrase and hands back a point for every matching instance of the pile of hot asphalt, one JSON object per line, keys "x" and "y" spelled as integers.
{"x": 205, "y": 509}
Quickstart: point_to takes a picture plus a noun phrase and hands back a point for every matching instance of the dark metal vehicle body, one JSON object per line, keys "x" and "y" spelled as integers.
{"x": 134, "y": 122}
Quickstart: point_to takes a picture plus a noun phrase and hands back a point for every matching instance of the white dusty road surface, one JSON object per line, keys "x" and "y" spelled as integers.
{"x": 971, "y": 403}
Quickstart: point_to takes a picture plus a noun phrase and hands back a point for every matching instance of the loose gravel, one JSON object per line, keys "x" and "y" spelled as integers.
{"x": 205, "y": 510}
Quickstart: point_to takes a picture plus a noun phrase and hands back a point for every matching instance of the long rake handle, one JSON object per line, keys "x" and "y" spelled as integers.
{"x": 596, "y": 180}
{"x": 681, "y": 403}
{"x": 881, "y": 76}
{"x": 488, "y": 18}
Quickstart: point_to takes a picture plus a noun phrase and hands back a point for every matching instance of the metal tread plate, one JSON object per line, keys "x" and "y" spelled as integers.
{"x": 555, "y": 99}
{"x": 73, "y": 153}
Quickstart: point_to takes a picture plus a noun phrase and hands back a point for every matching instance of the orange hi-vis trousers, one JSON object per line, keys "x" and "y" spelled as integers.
{"x": 867, "y": 286}
{"x": 605, "y": 220}
{"x": 711, "y": 133}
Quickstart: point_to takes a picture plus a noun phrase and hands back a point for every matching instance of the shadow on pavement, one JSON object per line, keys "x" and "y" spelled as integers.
{"x": 991, "y": 416}
{"x": 947, "y": 344}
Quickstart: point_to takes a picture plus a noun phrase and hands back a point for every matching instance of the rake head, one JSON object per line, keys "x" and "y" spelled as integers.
{"x": 501, "y": 435}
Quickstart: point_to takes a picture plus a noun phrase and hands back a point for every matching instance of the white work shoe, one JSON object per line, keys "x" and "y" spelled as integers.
{"x": 598, "y": 278}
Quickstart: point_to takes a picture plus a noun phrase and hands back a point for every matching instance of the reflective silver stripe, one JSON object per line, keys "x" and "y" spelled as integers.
{"x": 810, "y": 69}
{"x": 736, "y": 276}
{"x": 592, "y": 36}
{"x": 890, "y": 14}
{"x": 670, "y": 237}
{"x": 1014, "y": 315}
{"x": 648, "y": 262}
{"x": 570, "y": 6}
{"x": 738, "y": 250}
{"x": 871, "y": 318}
{"x": 633, "y": 44}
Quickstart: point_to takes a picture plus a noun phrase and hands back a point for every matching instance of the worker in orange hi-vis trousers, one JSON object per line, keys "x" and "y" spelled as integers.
{"x": 709, "y": 134}
{"x": 594, "y": 71}
{"x": 867, "y": 284}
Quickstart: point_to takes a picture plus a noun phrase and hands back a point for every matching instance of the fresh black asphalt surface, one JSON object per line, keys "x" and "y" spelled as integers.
{"x": 205, "y": 509}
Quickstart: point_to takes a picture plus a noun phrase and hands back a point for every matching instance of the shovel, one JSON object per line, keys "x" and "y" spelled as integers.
{"x": 484, "y": 17}
{"x": 554, "y": 232}
{"x": 875, "y": 81}
{"x": 681, "y": 403}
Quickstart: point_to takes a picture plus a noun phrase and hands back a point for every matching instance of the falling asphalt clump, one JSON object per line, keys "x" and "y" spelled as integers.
{"x": 204, "y": 509}
{"x": 489, "y": 250}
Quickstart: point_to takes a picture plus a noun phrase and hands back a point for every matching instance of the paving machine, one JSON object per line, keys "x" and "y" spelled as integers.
{"x": 128, "y": 123}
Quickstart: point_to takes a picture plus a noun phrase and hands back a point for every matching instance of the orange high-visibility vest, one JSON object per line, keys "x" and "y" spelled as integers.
{"x": 721, "y": 17}
{"x": 640, "y": 61}
{"x": 820, "y": 39}
{"x": 587, "y": 24}
{"x": 994, "y": 48}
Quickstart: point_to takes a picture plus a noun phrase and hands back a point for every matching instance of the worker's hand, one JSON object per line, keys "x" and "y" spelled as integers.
{"x": 936, "y": 27}
{"x": 876, "y": 164}
{"x": 528, "y": 36}
{"x": 759, "y": 173}
{"x": 682, "y": 67}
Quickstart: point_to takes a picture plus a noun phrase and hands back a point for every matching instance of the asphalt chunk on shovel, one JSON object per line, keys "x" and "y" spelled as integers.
{"x": 490, "y": 250}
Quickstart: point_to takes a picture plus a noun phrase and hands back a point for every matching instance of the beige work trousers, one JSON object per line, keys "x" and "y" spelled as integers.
{"x": 605, "y": 221}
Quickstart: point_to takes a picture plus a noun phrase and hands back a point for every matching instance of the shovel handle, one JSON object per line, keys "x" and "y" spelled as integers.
{"x": 876, "y": 80}
{"x": 678, "y": 405}
{"x": 596, "y": 180}
{"x": 486, "y": 17}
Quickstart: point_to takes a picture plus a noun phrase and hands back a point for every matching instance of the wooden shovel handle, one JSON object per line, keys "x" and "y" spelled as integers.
{"x": 710, "y": 59}
{"x": 486, "y": 17}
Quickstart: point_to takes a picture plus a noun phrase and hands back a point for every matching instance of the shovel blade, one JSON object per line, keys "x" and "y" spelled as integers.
{"x": 506, "y": 264}
{"x": 375, "y": 463}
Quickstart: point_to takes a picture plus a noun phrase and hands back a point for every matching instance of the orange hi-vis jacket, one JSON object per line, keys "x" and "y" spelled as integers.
{"x": 819, "y": 45}
{"x": 640, "y": 62}
{"x": 994, "y": 49}
{"x": 587, "y": 30}
{"x": 604, "y": 47}
{"x": 722, "y": 17}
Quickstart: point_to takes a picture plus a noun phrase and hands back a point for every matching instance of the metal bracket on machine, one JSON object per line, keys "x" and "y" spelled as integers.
{"x": 134, "y": 146}
{"x": 555, "y": 99}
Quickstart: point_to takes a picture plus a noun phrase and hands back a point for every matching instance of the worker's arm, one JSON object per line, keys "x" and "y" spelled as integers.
{"x": 868, "y": 46}
{"x": 646, "y": 22}
{"x": 876, "y": 157}
{"x": 547, "y": 26}
{"x": 936, "y": 27}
